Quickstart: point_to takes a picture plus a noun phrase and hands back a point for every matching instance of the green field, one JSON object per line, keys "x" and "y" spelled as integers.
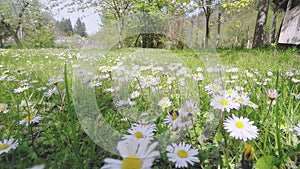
{"x": 84, "y": 104}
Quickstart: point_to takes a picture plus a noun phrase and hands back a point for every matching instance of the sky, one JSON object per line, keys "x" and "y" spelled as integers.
{"x": 89, "y": 17}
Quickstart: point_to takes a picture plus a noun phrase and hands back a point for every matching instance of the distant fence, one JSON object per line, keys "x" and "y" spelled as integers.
{"x": 78, "y": 42}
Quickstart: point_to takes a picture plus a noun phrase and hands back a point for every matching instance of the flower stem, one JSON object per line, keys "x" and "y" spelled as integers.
{"x": 224, "y": 137}
{"x": 267, "y": 112}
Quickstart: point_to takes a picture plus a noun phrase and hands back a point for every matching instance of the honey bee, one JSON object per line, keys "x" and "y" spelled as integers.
{"x": 174, "y": 112}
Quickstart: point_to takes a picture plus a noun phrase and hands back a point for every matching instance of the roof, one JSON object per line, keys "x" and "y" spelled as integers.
{"x": 290, "y": 31}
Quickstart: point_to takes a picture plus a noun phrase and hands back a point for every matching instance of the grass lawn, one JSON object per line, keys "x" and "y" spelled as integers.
{"x": 70, "y": 109}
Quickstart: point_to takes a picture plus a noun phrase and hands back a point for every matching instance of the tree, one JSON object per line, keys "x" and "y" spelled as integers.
{"x": 65, "y": 26}
{"x": 261, "y": 20}
{"x": 3, "y": 35}
{"x": 237, "y": 12}
{"x": 206, "y": 6}
{"x": 19, "y": 18}
{"x": 80, "y": 28}
{"x": 116, "y": 8}
{"x": 12, "y": 13}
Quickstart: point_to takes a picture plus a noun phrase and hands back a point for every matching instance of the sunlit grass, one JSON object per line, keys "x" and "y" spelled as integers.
{"x": 59, "y": 139}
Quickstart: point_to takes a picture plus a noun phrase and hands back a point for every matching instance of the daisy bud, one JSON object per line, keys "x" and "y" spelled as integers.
{"x": 272, "y": 94}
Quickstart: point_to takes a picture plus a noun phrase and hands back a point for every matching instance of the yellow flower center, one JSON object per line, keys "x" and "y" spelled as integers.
{"x": 183, "y": 119}
{"x": 2, "y": 108}
{"x": 138, "y": 134}
{"x": 29, "y": 118}
{"x": 3, "y": 146}
{"x": 182, "y": 154}
{"x": 229, "y": 91}
{"x": 165, "y": 104}
{"x": 189, "y": 109}
{"x": 241, "y": 99}
{"x": 148, "y": 79}
{"x": 224, "y": 102}
{"x": 132, "y": 162}
{"x": 216, "y": 89}
{"x": 281, "y": 126}
{"x": 239, "y": 125}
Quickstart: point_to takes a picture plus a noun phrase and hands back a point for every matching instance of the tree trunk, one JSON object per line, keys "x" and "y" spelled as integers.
{"x": 261, "y": 20}
{"x": 1, "y": 42}
{"x": 191, "y": 33}
{"x": 11, "y": 31}
{"x": 274, "y": 22}
{"x": 120, "y": 31}
{"x": 207, "y": 29}
{"x": 218, "y": 29}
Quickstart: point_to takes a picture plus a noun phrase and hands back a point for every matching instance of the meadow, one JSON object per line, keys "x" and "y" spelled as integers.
{"x": 225, "y": 108}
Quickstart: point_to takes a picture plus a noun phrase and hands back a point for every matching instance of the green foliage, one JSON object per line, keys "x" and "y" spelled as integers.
{"x": 61, "y": 142}
{"x": 236, "y": 6}
{"x": 80, "y": 28}
{"x": 65, "y": 26}
{"x": 42, "y": 38}
{"x": 21, "y": 18}
{"x": 266, "y": 162}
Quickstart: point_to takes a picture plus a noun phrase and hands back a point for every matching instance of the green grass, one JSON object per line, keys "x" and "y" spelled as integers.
{"x": 61, "y": 139}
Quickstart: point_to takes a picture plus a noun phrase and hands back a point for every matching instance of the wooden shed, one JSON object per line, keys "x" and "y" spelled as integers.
{"x": 290, "y": 30}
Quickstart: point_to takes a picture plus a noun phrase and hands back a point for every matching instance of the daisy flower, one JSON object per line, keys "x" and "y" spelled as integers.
{"x": 272, "y": 94}
{"x": 173, "y": 66}
{"x": 21, "y": 89}
{"x": 135, "y": 155}
{"x": 241, "y": 128}
{"x": 42, "y": 166}
{"x": 7, "y": 145}
{"x": 212, "y": 88}
{"x": 94, "y": 83}
{"x": 297, "y": 129}
{"x": 224, "y": 103}
{"x": 230, "y": 93}
{"x": 198, "y": 77}
{"x": 181, "y": 154}
{"x": 135, "y": 73}
{"x": 243, "y": 99}
{"x": 24, "y": 104}
{"x": 189, "y": 107}
{"x": 3, "y": 108}
{"x": 295, "y": 80}
{"x": 165, "y": 102}
{"x": 80, "y": 72}
{"x": 269, "y": 73}
{"x": 134, "y": 94}
{"x": 183, "y": 121}
{"x": 50, "y": 92}
{"x": 30, "y": 119}
{"x": 2, "y": 77}
{"x": 148, "y": 81}
{"x": 289, "y": 74}
{"x": 171, "y": 117}
{"x": 106, "y": 69}
{"x": 253, "y": 105}
{"x": 141, "y": 132}
{"x": 199, "y": 69}
{"x": 55, "y": 80}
